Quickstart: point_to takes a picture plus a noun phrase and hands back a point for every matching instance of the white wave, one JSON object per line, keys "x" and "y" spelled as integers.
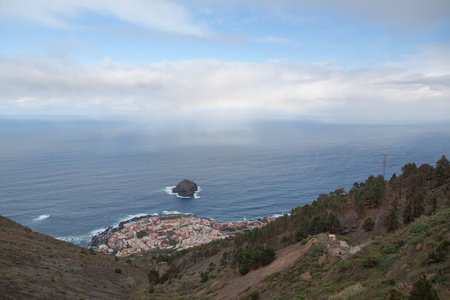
{"x": 75, "y": 238}
{"x": 278, "y": 215}
{"x": 174, "y": 212}
{"x": 168, "y": 190}
{"x": 41, "y": 217}
{"x": 96, "y": 231}
{"x": 129, "y": 217}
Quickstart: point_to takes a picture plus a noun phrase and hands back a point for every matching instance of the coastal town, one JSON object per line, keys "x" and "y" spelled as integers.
{"x": 169, "y": 232}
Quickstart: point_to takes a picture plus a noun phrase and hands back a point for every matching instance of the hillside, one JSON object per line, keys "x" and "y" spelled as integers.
{"x": 409, "y": 222}
{"x": 36, "y": 266}
{"x": 389, "y": 233}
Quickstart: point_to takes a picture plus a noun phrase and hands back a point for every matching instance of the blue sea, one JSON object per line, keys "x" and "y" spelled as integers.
{"x": 70, "y": 179}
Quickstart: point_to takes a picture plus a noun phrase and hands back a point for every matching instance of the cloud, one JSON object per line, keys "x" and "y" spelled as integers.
{"x": 165, "y": 16}
{"x": 217, "y": 89}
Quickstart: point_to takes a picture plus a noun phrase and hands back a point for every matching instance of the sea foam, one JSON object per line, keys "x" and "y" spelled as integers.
{"x": 41, "y": 217}
{"x": 168, "y": 190}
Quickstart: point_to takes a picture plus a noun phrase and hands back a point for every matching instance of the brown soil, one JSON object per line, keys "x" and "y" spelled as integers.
{"x": 232, "y": 288}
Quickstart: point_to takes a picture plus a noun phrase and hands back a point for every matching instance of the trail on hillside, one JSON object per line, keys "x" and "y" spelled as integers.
{"x": 285, "y": 258}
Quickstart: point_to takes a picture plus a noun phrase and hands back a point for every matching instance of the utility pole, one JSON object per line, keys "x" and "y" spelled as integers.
{"x": 384, "y": 164}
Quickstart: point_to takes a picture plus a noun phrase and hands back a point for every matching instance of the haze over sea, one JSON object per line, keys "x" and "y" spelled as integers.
{"x": 70, "y": 179}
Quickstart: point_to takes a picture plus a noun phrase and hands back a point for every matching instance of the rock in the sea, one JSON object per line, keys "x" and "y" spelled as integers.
{"x": 185, "y": 188}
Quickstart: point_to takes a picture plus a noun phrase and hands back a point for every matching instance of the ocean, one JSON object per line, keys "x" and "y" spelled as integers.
{"x": 71, "y": 179}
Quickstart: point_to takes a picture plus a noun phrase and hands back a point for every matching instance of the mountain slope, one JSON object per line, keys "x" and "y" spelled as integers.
{"x": 37, "y": 266}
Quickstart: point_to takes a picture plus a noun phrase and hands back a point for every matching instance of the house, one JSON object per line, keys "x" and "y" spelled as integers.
{"x": 332, "y": 237}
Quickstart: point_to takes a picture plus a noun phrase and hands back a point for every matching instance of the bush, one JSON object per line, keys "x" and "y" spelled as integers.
{"x": 244, "y": 270}
{"x": 423, "y": 289}
{"x": 318, "y": 249}
{"x": 421, "y": 228}
{"x": 440, "y": 254}
{"x": 371, "y": 261}
{"x": 204, "y": 277}
{"x": 389, "y": 282}
{"x": 345, "y": 265}
{"x": 368, "y": 224}
{"x": 118, "y": 270}
{"x": 254, "y": 295}
{"x": 390, "y": 249}
{"x": 153, "y": 277}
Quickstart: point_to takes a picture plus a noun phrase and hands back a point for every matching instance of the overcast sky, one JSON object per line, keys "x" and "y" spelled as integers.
{"x": 384, "y": 61}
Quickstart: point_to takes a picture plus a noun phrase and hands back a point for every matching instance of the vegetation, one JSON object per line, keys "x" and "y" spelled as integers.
{"x": 404, "y": 254}
{"x": 368, "y": 224}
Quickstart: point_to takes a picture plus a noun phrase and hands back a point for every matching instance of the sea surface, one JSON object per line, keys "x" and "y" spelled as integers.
{"x": 71, "y": 179}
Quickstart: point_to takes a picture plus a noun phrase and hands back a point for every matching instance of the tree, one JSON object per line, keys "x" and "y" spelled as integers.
{"x": 423, "y": 290}
{"x": 392, "y": 221}
{"x": 409, "y": 169}
{"x": 153, "y": 277}
{"x": 368, "y": 224}
{"x": 442, "y": 170}
{"x": 407, "y": 213}
{"x": 333, "y": 224}
{"x": 418, "y": 208}
{"x": 301, "y": 233}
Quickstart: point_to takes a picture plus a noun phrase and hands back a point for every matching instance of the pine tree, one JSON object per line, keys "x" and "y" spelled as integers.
{"x": 392, "y": 221}
{"x": 407, "y": 214}
{"x": 418, "y": 208}
{"x": 442, "y": 171}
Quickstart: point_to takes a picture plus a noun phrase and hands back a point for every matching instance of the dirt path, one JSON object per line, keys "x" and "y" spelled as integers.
{"x": 284, "y": 259}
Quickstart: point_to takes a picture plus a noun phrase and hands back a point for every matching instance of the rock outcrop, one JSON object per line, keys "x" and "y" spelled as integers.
{"x": 185, "y": 188}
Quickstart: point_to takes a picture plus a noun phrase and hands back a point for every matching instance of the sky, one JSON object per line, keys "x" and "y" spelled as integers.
{"x": 349, "y": 61}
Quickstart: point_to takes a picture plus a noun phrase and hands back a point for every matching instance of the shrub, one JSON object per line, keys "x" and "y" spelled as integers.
{"x": 390, "y": 249}
{"x": 371, "y": 261}
{"x": 423, "y": 289}
{"x": 368, "y": 224}
{"x": 254, "y": 295}
{"x": 389, "y": 282}
{"x": 440, "y": 254}
{"x": 204, "y": 277}
{"x": 244, "y": 270}
{"x": 317, "y": 249}
{"x": 416, "y": 240}
{"x": 420, "y": 228}
{"x": 395, "y": 294}
{"x": 345, "y": 265}
{"x": 118, "y": 270}
{"x": 153, "y": 277}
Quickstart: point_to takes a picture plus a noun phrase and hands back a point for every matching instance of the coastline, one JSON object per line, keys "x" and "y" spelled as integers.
{"x": 176, "y": 231}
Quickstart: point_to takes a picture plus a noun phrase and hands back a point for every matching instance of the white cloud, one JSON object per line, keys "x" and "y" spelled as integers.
{"x": 165, "y": 16}
{"x": 205, "y": 88}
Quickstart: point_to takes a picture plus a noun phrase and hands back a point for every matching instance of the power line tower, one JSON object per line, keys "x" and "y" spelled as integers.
{"x": 384, "y": 164}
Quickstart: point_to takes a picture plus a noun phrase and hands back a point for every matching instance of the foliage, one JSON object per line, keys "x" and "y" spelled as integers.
{"x": 392, "y": 220}
{"x": 204, "y": 277}
{"x": 440, "y": 254}
{"x": 153, "y": 277}
{"x": 252, "y": 257}
{"x": 368, "y": 224}
{"x": 141, "y": 234}
{"x": 423, "y": 289}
